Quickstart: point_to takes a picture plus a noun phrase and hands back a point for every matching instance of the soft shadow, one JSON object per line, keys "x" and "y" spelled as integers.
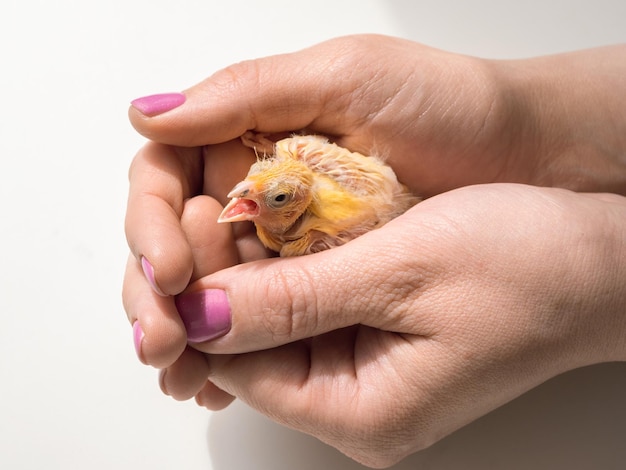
{"x": 576, "y": 421}
{"x": 241, "y": 439}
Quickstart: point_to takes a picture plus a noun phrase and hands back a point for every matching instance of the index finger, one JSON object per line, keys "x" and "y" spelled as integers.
{"x": 161, "y": 178}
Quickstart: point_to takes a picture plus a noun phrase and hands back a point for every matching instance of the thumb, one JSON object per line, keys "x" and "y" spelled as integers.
{"x": 277, "y": 301}
{"x": 273, "y": 94}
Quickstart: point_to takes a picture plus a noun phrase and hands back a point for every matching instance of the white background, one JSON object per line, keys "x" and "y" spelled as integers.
{"x": 72, "y": 393}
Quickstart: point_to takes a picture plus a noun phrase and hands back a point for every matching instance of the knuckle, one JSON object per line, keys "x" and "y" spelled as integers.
{"x": 240, "y": 80}
{"x": 238, "y": 76}
{"x": 294, "y": 316}
{"x": 386, "y": 298}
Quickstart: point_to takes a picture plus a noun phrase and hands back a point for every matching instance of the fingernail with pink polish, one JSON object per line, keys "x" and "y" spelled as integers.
{"x": 137, "y": 339}
{"x": 148, "y": 271}
{"x": 154, "y": 105}
{"x": 206, "y": 314}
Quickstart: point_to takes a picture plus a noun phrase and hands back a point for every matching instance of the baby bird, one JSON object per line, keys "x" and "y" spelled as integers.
{"x": 311, "y": 195}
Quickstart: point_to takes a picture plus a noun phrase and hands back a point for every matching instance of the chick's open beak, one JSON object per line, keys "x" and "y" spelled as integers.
{"x": 242, "y": 206}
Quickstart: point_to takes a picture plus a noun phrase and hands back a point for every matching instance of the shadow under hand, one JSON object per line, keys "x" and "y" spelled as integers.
{"x": 241, "y": 438}
{"x": 576, "y": 421}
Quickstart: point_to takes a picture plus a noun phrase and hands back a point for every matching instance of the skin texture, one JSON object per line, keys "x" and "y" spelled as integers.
{"x": 510, "y": 273}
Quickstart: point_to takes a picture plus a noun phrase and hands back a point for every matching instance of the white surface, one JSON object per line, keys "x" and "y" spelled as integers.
{"x": 72, "y": 394}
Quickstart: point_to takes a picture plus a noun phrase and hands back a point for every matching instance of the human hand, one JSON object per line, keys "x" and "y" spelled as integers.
{"x": 432, "y": 144}
{"x": 447, "y": 322}
{"x": 442, "y": 121}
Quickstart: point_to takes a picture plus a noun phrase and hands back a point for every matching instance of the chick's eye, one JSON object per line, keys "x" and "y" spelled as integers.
{"x": 277, "y": 201}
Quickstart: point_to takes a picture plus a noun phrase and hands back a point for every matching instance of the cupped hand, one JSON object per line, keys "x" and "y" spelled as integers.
{"x": 461, "y": 301}
{"x": 397, "y": 102}
{"x": 385, "y": 345}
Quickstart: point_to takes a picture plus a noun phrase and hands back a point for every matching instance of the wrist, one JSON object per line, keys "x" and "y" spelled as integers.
{"x": 599, "y": 292}
{"x": 569, "y": 115}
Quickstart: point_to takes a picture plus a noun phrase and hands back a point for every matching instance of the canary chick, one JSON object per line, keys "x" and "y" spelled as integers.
{"x": 311, "y": 195}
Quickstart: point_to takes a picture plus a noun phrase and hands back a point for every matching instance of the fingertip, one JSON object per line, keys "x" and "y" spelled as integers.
{"x": 170, "y": 274}
{"x": 205, "y": 314}
{"x": 213, "y": 398}
{"x": 211, "y": 244}
{"x": 185, "y": 377}
{"x": 158, "y": 332}
{"x": 155, "y": 116}
{"x": 154, "y": 105}
{"x": 148, "y": 271}
{"x": 164, "y": 337}
{"x": 138, "y": 340}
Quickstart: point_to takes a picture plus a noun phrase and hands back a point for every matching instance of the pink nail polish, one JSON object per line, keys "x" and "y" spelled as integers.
{"x": 154, "y": 105}
{"x": 206, "y": 314}
{"x": 148, "y": 271}
{"x": 137, "y": 339}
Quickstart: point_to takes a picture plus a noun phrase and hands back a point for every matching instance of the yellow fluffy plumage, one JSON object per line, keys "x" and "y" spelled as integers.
{"x": 310, "y": 195}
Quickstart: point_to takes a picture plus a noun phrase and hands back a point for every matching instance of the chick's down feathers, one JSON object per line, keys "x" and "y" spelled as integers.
{"x": 310, "y": 195}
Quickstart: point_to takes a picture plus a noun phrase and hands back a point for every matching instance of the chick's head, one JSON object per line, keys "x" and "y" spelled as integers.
{"x": 274, "y": 195}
